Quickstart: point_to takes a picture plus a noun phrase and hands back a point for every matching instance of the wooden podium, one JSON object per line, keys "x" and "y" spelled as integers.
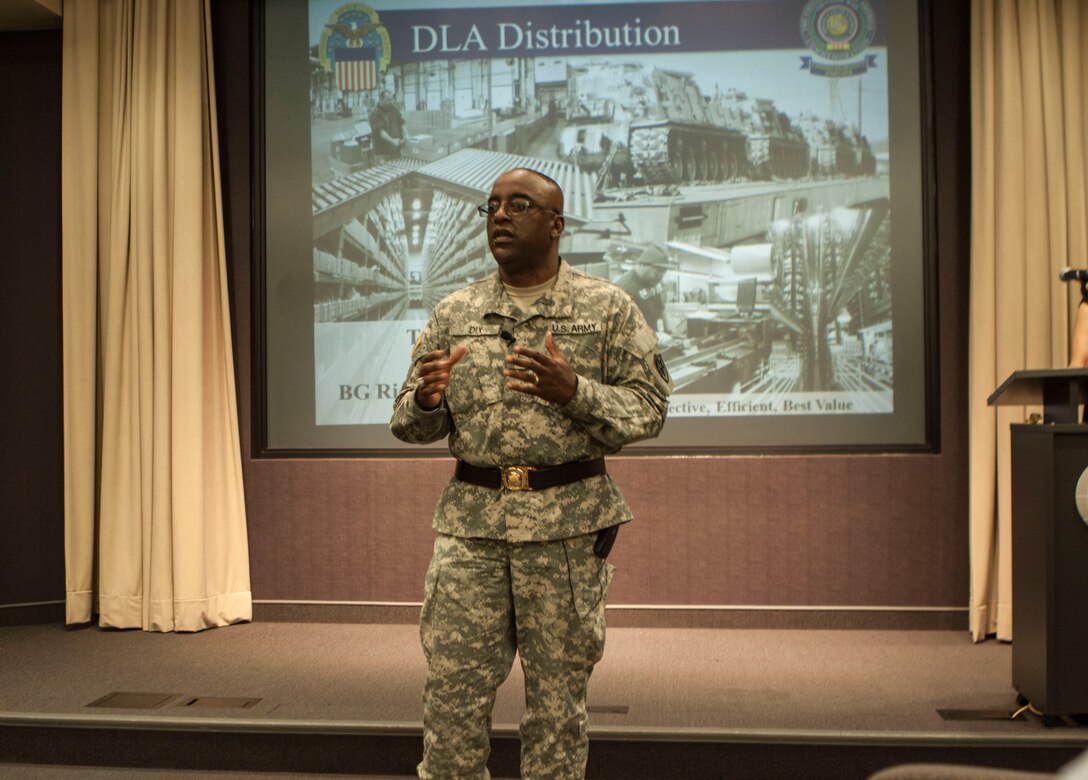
{"x": 1049, "y": 541}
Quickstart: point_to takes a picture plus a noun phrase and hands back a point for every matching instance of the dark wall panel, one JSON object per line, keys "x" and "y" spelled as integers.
{"x": 32, "y": 528}
{"x": 878, "y": 530}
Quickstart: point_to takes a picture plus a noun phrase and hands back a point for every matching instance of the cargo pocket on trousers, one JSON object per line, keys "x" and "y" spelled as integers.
{"x": 589, "y": 580}
{"x": 589, "y": 576}
{"x": 426, "y": 614}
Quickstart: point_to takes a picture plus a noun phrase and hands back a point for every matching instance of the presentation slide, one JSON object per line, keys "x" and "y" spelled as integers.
{"x": 750, "y": 172}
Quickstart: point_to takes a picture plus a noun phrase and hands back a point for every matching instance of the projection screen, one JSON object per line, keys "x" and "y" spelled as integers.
{"x": 752, "y": 172}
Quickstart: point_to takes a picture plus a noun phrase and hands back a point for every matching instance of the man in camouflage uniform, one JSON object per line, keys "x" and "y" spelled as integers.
{"x": 535, "y": 374}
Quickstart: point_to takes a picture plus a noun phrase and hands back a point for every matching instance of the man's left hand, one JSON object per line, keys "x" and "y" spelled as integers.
{"x": 548, "y": 376}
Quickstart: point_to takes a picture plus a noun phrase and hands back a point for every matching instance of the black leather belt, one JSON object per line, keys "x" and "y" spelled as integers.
{"x": 528, "y": 477}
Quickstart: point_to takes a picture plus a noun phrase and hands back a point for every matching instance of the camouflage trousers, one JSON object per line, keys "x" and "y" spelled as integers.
{"x": 485, "y": 601}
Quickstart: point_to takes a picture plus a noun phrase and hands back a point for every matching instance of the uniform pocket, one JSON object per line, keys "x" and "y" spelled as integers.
{"x": 584, "y": 352}
{"x": 590, "y": 576}
{"x": 426, "y": 614}
{"x": 589, "y": 580}
{"x": 476, "y": 381}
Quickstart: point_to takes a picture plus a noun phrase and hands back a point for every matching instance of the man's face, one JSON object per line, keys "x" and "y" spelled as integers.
{"x": 650, "y": 275}
{"x": 386, "y": 99}
{"x": 526, "y": 238}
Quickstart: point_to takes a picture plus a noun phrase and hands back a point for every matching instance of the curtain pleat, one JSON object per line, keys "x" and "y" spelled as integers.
{"x": 79, "y": 303}
{"x": 1028, "y": 180}
{"x": 155, "y": 514}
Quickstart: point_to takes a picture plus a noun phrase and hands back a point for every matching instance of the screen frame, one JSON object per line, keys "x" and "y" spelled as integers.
{"x": 927, "y": 244}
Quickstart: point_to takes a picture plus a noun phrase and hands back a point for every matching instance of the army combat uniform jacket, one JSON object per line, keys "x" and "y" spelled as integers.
{"x": 622, "y": 397}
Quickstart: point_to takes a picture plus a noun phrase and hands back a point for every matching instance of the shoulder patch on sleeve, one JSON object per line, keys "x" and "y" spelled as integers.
{"x": 662, "y": 370}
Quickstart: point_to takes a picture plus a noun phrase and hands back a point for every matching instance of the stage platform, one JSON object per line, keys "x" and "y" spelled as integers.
{"x": 341, "y": 698}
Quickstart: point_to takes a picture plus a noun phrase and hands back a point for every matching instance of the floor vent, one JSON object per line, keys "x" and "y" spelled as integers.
{"x": 221, "y": 702}
{"x": 134, "y": 701}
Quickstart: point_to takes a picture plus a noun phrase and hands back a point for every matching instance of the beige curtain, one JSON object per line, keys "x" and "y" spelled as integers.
{"x": 1029, "y": 71}
{"x": 155, "y": 533}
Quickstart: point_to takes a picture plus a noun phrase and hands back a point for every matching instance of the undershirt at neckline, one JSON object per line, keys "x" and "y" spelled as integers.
{"x": 525, "y": 297}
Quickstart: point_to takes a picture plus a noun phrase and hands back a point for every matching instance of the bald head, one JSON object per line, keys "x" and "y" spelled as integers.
{"x": 555, "y": 192}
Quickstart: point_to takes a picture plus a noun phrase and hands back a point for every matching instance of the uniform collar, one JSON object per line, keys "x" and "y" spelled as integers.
{"x": 557, "y": 303}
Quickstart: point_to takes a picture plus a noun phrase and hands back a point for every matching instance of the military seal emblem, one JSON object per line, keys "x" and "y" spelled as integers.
{"x": 350, "y": 27}
{"x": 838, "y": 29}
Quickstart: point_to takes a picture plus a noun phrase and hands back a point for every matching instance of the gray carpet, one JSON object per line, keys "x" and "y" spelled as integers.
{"x": 652, "y": 681}
{"x": 746, "y": 686}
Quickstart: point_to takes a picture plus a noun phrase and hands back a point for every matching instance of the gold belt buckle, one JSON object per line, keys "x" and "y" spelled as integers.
{"x": 516, "y": 477}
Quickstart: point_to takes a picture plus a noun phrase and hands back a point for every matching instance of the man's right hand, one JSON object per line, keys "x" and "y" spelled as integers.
{"x": 434, "y": 376}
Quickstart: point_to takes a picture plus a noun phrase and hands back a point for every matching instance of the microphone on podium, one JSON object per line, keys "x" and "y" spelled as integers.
{"x": 1068, "y": 274}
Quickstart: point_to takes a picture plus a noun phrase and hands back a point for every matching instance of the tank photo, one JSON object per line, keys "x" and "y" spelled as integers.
{"x": 836, "y": 149}
{"x": 627, "y": 123}
{"x": 631, "y": 124}
{"x": 775, "y": 149}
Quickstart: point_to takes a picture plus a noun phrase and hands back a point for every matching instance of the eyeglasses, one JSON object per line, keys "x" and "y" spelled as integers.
{"x": 515, "y": 207}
